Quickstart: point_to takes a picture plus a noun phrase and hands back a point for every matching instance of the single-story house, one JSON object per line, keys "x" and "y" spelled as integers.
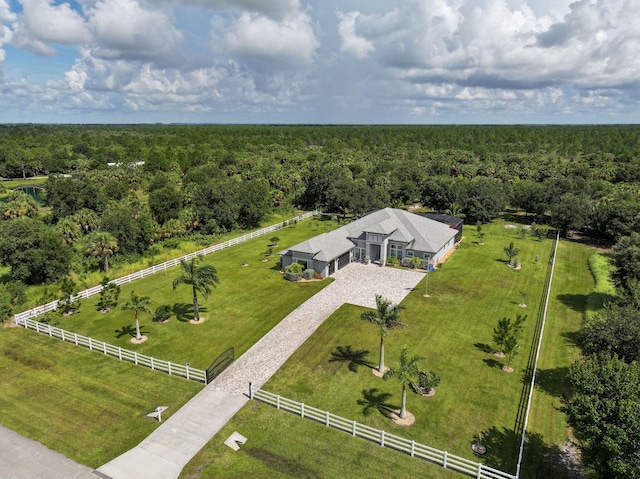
{"x": 452, "y": 221}
{"x": 375, "y": 237}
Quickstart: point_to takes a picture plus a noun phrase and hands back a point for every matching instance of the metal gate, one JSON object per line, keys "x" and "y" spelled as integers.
{"x": 220, "y": 364}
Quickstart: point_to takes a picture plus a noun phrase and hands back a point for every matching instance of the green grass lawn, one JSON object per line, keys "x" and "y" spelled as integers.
{"x": 89, "y": 407}
{"x": 453, "y": 330}
{"x": 248, "y": 302}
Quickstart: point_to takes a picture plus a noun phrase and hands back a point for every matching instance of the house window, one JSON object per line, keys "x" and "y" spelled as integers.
{"x": 395, "y": 250}
{"x": 426, "y": 256}
{"x": 359, "y": 254}
{"x": 409, "y": 254}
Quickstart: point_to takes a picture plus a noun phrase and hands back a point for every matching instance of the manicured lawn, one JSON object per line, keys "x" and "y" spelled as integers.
{"x": 89, "y": 407}
{"x": 248, "y": 302}
{"x": 453, "y": 330}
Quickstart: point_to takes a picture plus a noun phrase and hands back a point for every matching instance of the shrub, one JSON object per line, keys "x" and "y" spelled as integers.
{"x": 414, "y": 262}
{"x": 317, "y": 275}
{"x": 393, "y": 261}
{"x": 308, "y": 274}
{"x": 293, "y": 272}
{"x": 426, "y": 381}
{"x": 162, "y": 313}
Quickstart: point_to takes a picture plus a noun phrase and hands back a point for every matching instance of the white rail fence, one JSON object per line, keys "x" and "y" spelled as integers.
{"x": 87, "y": 293}
{"x": 414, "y": 449}
{"x": 173, "y": 369}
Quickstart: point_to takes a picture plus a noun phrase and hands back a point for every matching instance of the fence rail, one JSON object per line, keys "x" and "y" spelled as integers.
{"x": 414, "y": 449}
{"x": 173, "y": 369}
{"x": 87, "y": 293}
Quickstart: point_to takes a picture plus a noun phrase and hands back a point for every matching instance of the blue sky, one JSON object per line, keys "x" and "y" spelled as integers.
{"x": 319, "y": 61}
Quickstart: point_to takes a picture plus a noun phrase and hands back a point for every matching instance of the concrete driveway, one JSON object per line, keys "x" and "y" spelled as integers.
{"x": 164, "y": 453}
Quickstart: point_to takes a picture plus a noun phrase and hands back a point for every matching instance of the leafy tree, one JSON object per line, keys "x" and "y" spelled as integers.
{"x": 387, "y": 318}
{"x": 35, "y": 253}
{"x": 481, "y": 234}
{"x": 486, "y": 198}
{"x": 68, "y": 290}
{"x": 19, "y": 204}
{"x": 254, "y": 202}
{"x": 604, "y": 410}
{"x": 614, "y": 330}
{"x": 133, "y": 229}
{"x": 511, "y": 251}
{"x": 66, "y": 195}
{"x": 108, "y": 295}
{"x": 625, "y": 257}
{"x": 165, "y": 204}
{"x": 501, "y": 332}
{"x": 138, "y": 304}
{"x": 102, "y": 245}
{"x": 571, "y": 213}
{"x": 511, "y": 348}
{"x": 273, "y": 241}
{"x": 69, "y": 230}
{"x": 407, "y": 373}
{"x": 200, "y": 277}
{"x": 216, "y": 205}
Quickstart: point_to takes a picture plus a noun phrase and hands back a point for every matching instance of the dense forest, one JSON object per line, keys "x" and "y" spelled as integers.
{"x": 115, "y": 192}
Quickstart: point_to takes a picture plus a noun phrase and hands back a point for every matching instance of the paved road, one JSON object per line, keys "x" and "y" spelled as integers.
{"x": 164, "y": 453}
{"x": 22, "y": 458}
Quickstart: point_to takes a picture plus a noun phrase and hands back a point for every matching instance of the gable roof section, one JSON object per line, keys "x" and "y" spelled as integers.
{"x": 420, "y": 234}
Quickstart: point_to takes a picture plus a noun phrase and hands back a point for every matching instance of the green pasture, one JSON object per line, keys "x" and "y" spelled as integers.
{"x": 248, "y": 302}
{"x": 453, "y": 330}
{"x": 87, "y": 406}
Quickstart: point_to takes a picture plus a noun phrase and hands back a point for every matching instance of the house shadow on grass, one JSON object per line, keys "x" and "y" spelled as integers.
{"x": 129, "y": 330}
{"x": 374, "y": 400}
{"x": 353, "y": 357}
{"x": 184, "y": 311}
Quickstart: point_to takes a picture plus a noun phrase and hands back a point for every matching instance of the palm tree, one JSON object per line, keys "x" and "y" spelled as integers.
{"x": 200, "y": 277}
{"x": 511, "y": 251}
{"x": 69, "y": 230}
{"x": 407, "y": 373}
{"x": 102, "y": 244}
{"x": 86, "y": 219}
{"x": 386, "y": 317}
{"x": 137, "y": 304}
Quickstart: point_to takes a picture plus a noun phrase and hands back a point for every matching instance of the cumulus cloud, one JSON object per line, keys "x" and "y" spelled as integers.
{"x": 126, "y": 29}
{"x": 289, "y": 41}
{"x": 42, "y": 23}
{"x": 7, "y": 17}
{"x": 276, "y": 9}
{"x": 359, "y": 47}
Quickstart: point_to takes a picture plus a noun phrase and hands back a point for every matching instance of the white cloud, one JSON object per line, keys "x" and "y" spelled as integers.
{"x": 7, "y": 17}
{"x": 290, "y": 41}
{"x": 42, "y": 23}
{"x": 359, "y": 47}
{"x": 125, "y": 29}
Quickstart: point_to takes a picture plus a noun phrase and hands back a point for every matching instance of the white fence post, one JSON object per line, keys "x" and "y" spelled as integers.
{"x": 382, "y": 438}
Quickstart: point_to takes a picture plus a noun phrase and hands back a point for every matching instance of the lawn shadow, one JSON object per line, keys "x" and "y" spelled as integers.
{"x": 539, "y": 459}
{"x": 129, "y": 330}
{"x": 485, "y": 348}
{"x": 577, "y": 302}
{"x": 573, "y": 337}
{"x": 283, "y": 465}
{"x": 353, "y": 358}
{"x": 553, "y": 381}
{"x": 184, "y": 311}
{"x": 374, "y": 400}
{"x": 493, "y": 363}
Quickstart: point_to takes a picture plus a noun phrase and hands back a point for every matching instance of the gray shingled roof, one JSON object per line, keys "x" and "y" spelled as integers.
{"x": 422, "y": 234}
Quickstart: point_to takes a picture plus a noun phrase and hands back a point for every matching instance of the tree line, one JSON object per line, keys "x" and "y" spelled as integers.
{"x": 166, "y": 182}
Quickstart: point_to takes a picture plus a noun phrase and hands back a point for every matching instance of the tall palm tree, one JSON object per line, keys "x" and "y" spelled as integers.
{"x": 102, "y": 244}
{"x": 386, "y": 317}
{"x": 138, "y": 304}
{"x": 406, "y": 373}
{"x": 200, "y": 277}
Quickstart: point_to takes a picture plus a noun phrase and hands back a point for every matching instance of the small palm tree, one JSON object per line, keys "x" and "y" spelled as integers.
{"x": 408, "y": 373}
{"x": 200, "y": 277}
{"x": 138, "y": 304}
{"x": 102, "y": 244}
{"x": 511, "y": 251}
{"x": 386, "y": 317}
